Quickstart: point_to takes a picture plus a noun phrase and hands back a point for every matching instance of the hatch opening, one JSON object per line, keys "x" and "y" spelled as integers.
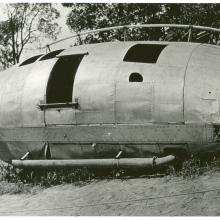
{"x": 60, "y": 84}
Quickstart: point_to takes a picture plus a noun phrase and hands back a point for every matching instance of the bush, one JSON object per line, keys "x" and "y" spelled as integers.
{"x": 195, "y": 167}
{"x": 50, "y": 177}
{"x": 191, "y": 169}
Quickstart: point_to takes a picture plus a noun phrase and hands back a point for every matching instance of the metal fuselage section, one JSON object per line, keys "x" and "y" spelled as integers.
{"x": 173, "y": 106}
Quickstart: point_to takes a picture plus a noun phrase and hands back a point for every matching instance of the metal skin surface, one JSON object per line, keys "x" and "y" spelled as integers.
{"x": 176, "y": 107}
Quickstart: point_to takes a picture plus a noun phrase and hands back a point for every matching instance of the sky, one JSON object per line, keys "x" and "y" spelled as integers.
{"x": 65, "y": 32}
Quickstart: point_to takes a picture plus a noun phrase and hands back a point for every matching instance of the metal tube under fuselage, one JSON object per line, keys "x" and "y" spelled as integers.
{"x": 95, "y": 163}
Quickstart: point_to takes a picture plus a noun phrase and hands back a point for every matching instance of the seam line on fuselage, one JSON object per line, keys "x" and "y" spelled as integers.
{"x": 184, "y": 79}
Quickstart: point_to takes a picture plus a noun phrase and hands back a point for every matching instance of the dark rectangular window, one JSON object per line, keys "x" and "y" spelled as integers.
{"x": 60, "y": 84}
{"x": 144, "y": 53}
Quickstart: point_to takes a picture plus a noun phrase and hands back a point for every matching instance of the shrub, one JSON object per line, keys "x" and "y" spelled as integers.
{"x": 191, "y": 169}
{"x": 195, "y": 167}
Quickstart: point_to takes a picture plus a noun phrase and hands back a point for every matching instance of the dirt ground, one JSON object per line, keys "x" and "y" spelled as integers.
{"x": 164, "y": 196}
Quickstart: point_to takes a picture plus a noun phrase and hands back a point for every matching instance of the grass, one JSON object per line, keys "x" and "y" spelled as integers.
{"x": 195, "y": 167}
{"x": 51, "y": 177}
{"x": 10, "y": 183}
{"x": 14, "y": 180}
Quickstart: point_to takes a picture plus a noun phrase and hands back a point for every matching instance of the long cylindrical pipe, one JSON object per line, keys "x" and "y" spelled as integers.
{"x": 95, "y": 163}
{"x": 136, "y": 26}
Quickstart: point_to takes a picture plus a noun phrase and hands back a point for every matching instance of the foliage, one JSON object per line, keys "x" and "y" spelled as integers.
{"x": 195, "y": 167}
{"x": 26, "y": 24}
{"x": 99, "y": 15}
{"x": 93, "y": 16}
{"x": 14, "y": 180}
{"x": 53, "y": 176}
{"x": 193, "y": 14}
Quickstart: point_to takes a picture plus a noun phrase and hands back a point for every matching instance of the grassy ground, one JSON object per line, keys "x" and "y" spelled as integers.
{"x": 14, "y": 180}
{"x": 193, "y": 190}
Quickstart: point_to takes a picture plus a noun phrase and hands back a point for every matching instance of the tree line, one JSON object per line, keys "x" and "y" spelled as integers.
{"x": 29, "y": 23}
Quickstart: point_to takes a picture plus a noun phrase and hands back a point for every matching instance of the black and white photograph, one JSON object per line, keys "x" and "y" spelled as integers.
{"x": 109, "y": 108}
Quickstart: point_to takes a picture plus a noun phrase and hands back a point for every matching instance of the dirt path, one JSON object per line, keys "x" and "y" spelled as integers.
{"x": 121, "y": 197}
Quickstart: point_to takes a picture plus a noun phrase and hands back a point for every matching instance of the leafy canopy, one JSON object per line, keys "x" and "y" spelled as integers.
{"x": 85, "y": 16}
{"x": 26, "y": 23}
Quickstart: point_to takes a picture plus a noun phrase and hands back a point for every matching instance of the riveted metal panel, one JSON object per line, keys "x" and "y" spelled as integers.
{"x": 95, "y": 117}
{"x": 176, "y": 54}
{"x": 169, "y": 82}
{"x": 166, "y": 103}
{"x": 97, "y": 96}
{"x": 96, "y": 104}
{"x": 69, "y": 151}
{"x": 60, "y": 116}
{"x": 112, "y": 134}
{"x": 204, "y": 148}
{"x": 95, "y": 83}
{"x": 34, "y": 91}
{"x": 11, "y": 95}
{"x": 134, "y": 102}
{"x": 101, "y": 65}
{"x": 15, "y": 142}
{"x": 17, "y": 149}
{"x": 21, "y": 92}
{"x": 202, "y": 86}
{"x": 22, "y": 89}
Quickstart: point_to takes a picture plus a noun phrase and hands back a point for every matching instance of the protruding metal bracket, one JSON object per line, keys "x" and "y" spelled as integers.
{"x": 46, "y": 151}
{"x": 48, "y": 48}
{"x": 190, "y": 33}
{"x": 80, "y": 39}
{"x": 124, "y": 33}
{"x": 94, "y": 145}
{"x": 154, "y": 161}
{"x": 25, "y": 156}
{"x": 119, "y": 154}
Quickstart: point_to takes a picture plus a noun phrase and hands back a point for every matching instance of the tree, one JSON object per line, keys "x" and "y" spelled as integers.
{"x": 92, "y": 16}
{"x": 98, "y": 15}
{"x": 26, "y": 24}
{"x": 194, "y": 14}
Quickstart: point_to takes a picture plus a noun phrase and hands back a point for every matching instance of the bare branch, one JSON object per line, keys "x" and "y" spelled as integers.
{"x": 23, "y": 26}
{"x": 30, "y": 26}
{"x": 25, "y": 40}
